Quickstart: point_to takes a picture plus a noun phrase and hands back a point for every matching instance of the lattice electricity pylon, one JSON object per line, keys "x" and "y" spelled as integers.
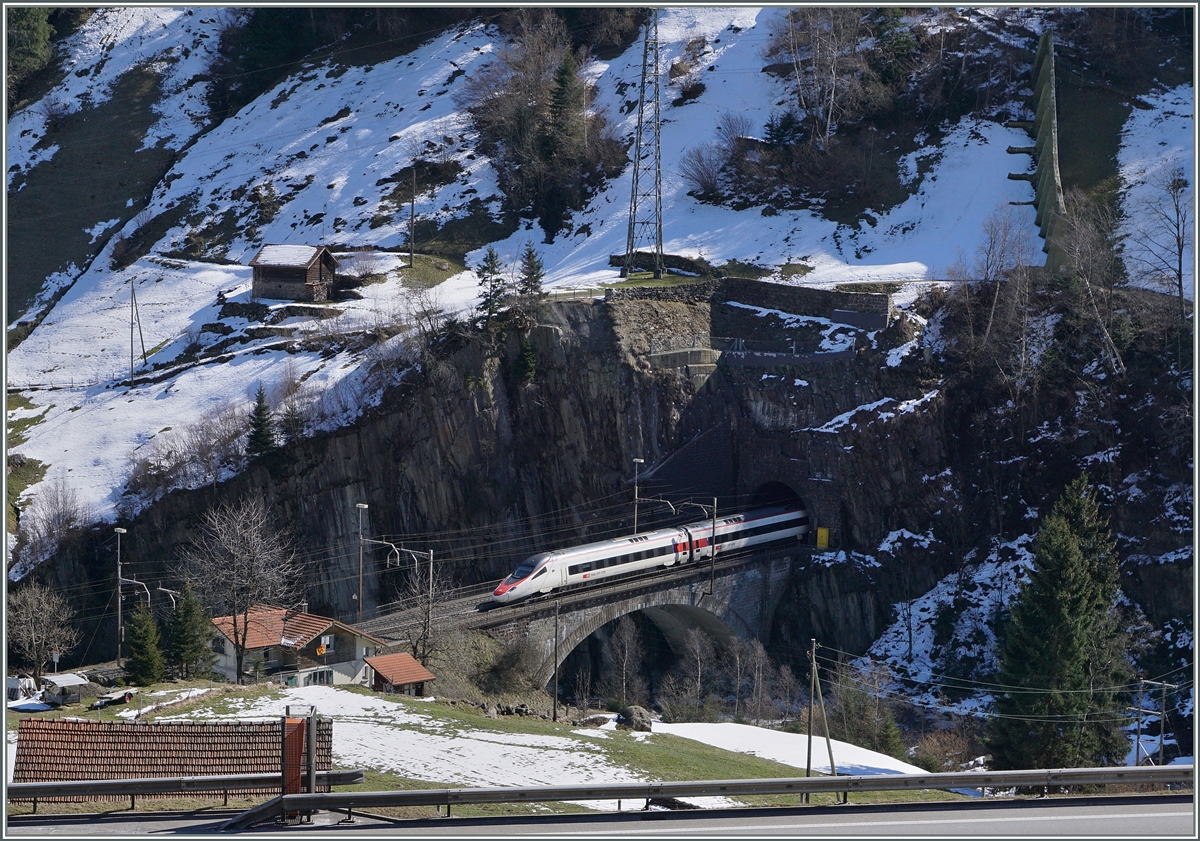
{"x": 645, "y": 198}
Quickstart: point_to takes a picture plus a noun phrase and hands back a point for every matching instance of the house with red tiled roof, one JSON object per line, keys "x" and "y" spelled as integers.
{"x": 400, "y": 673}
{"x": 295, "y": 647}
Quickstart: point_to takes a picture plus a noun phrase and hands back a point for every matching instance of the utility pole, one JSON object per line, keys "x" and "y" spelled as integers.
{"x": 429, "y": 612}
{"x": 554, "y": 715}
{"x": 812, "y": 691}
{"x": 825, "y": 720}
{"x": 361, "y": 506}
{"x": 119, "y": 532}
{"x": 1162, "y": 722}
{"x": 130, "y": 340}
{"x": 1137, "y": 756}
{"x": 412, "y": 222}
{"x": 637, "y": 462}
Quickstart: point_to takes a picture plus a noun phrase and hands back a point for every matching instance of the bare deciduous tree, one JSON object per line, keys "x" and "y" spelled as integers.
{"x": 583, "y": 689}
{"x": 624, "y": 683}
{"x": 1087, "y": 235}
{"x": 363, "y": 263}
{"x": 698, "y": 653}
{"x": 761, "y": 672}
{"x": 701, "y": 166}
{"x": 1162, "y": 242}
{"x": 424, "y": 591}
{"x": 239, "y": 560}
{"x": 39, "y": 621}
{"x": 736, "y": 656}
{"x": 830, "y": 74}
{"x": 789, "y": 690}
{"x": 55, "y": 513}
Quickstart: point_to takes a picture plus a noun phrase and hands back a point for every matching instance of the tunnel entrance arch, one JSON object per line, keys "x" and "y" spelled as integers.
{"x": 775, "y": 493}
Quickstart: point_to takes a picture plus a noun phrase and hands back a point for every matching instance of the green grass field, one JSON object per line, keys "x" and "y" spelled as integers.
{"x": 660, "y": 757}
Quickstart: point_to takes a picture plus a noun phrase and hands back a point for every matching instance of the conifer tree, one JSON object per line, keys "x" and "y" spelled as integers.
{"x": 262, "y": 426}
{"x": 566, "y": 111}
{"x": 291, "y": 422}
{"x": 1063, "y": 661}
{"x": 145, "y": 664}
{"x": 189, "y": 635}
{"x": 532, "y": 272}
{"x": 492, "y": 285}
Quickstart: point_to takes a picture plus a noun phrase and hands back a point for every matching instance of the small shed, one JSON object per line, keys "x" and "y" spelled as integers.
{"x": 20, "y": 688}
{"x": 62, "y": 689}
{"x": 294, "y": 272}
{"x": 399, "y": 673}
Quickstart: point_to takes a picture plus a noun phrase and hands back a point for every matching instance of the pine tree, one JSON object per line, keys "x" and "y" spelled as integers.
{"x": 189, "y": 635}
{"x": 291, "y": 423}
{"x": 493, "y": 287}
{"x": 532, "y": 273}
{"x": 145, "y": 664}
{"x": 565, "y": 128}
{"x": 262, "y": 426}
{"x": 28, "y": 44}
{"x": 1064, "y": 652}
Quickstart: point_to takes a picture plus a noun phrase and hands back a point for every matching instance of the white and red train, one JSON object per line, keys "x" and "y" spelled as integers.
{"x": 550, "y": 571}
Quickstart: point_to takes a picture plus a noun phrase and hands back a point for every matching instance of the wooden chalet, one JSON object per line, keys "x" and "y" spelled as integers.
{"x": 294, "y": 272}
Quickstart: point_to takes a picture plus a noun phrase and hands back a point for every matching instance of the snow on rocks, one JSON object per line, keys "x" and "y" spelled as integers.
{"x": 967, "y": 601}
{"x": 850, "y": 418}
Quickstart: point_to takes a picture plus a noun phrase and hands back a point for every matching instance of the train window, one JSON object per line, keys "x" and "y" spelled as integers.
{"x": 541, "y": 572}
{"x": 573, "y": 570}
{"x": 527, "y": 566}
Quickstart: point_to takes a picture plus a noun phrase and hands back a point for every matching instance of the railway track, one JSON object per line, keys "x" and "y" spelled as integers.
{"x": 471, "y": 607}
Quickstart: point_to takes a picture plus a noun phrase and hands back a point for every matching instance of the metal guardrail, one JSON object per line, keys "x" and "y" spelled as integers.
{"x": 350, "y": 800}
{"x": 168, "y": 785}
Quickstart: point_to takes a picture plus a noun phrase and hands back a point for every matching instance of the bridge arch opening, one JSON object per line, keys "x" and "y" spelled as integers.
{"x": 661, "y": 633}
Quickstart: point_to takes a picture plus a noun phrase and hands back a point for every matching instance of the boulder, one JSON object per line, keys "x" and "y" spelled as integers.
{"x": 634, "y": 718}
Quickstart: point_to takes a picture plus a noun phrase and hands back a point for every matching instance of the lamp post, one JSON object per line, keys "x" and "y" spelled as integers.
{"x": 636, "y": 463}
{"x": 120, "y": 627}
{"x": 554, "y": 715}
{"x": 361, "y": 506}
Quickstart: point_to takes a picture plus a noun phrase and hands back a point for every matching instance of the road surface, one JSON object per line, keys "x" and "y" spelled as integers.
{"x": 1132, "y": 816}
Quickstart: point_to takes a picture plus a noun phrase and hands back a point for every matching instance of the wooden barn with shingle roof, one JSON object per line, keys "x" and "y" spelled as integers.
{"x": 65, "y": 749}
{"x": 293, "y": 272}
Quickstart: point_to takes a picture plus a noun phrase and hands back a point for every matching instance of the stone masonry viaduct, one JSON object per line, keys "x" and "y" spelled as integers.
{"x": 741, "y": 603}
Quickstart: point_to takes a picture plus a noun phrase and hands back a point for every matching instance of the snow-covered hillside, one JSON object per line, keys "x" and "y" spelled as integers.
{"x": 328, "y": 139}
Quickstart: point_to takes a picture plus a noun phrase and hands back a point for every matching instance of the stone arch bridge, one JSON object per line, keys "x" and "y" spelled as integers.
{"x": 735, "y": 597}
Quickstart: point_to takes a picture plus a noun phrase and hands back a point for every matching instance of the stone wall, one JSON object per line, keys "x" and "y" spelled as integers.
{"x": 800, "y": 300}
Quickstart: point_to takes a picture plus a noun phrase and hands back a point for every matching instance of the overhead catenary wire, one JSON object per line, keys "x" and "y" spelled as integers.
{"x": 967, "y": 683}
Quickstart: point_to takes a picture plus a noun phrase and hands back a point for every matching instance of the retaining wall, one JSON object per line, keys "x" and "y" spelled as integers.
{"x": 863, "y": 309}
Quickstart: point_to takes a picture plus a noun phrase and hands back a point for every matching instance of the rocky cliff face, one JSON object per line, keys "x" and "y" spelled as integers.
{"x": 485, "y": 458}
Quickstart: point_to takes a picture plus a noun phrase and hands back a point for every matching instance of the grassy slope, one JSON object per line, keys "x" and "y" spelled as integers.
{"x": 49, "y": 214}
{"x": 662, "y": 757}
